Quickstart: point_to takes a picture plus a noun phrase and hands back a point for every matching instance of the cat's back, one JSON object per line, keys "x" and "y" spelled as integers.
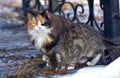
{"x": 84, "y": 29}
{"x": 79, "y": 43}
{"x": 79, "y": 30}
{"x": 60, "y": 20}
{"x": 59, "y": 24}
{"x": 83, "y": 35}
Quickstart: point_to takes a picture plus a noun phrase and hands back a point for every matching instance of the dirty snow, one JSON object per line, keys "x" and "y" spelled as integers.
{"x": 110, "y": 71}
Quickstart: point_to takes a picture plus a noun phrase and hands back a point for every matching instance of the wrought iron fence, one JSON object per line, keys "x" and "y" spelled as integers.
{"x": 110, "y": 10}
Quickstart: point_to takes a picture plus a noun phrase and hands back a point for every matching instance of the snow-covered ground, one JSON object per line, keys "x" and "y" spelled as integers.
{"x": 110, "y": 71}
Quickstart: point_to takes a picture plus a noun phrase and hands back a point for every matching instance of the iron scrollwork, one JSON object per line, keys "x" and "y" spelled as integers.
{"x": 91, "y": 18}
{"x": 30, "y": 4}
{"x": 74, "y": 9}
{"x": 75, "y": 12}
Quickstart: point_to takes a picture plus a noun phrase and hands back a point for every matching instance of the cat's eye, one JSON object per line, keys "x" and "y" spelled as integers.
{"x": 45, "y": 24}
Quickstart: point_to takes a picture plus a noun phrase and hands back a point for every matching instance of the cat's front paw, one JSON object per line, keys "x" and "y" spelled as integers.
{"x": 90, "y": 64}
{"x": 70, "y": 68}
{"x": 94, "y": 61}
{"x": 65, "y": 68}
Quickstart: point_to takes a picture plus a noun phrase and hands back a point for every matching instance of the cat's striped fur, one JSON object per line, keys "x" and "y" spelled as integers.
{"x": 81, "y": 44}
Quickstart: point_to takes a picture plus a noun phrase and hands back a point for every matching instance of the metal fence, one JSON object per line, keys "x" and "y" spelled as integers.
{"x": 110, "y": 10}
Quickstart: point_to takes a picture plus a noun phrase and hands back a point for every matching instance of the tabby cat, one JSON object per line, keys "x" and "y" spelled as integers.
{"x": 45, "y": 29}
{"x": 81, "y": 43}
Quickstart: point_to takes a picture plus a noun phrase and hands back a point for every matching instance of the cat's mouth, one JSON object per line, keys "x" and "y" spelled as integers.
{"x": 39, "y": 27}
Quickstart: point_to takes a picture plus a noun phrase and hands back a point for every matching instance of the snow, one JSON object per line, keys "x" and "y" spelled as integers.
{"x": 110, "y": 71}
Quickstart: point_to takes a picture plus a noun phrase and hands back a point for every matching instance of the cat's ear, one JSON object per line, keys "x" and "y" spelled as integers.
{"x": 30, "y": 16}
{"x": 46, "y": 14}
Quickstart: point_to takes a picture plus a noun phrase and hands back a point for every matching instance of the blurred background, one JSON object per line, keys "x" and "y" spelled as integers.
{"x": 14, "y": 39}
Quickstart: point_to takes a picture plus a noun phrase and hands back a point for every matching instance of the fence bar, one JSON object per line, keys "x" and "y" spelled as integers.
{"x": 52, "y": 5}
{"x": 25, "y": 5}
{"x": 111, "y": 25}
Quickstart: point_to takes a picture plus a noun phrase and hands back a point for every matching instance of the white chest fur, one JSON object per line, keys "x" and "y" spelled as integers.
{"x": 39, "y": 34}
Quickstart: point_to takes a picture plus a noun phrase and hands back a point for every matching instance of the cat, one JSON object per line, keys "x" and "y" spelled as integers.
{"x": 45, "y": 29}
{"x": 81, "y": 43}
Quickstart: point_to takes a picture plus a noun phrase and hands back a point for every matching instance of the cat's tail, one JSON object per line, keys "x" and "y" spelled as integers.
{"x": 106, "y": 57}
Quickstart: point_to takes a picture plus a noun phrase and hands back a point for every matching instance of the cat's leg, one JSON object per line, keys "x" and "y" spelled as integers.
{"x": 47, "y": 60}
{"x": 78, "y": 60}
{"x": 72, "y": 64}
{"x": 71, "y": 67}
{"x": 94, "y": 60}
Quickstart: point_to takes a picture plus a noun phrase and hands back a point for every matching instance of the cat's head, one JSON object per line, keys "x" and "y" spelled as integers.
{"x": 57, "y": 61}
{"x": 38, "y": 19}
